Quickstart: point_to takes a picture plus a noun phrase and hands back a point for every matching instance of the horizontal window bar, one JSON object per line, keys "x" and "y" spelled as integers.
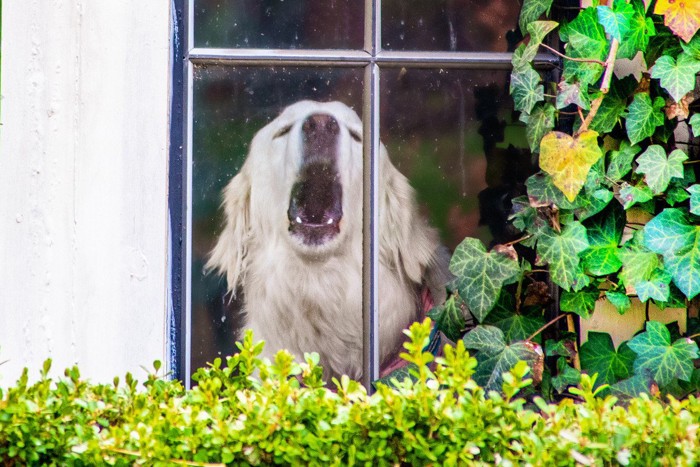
{"x": 413, "y": 59}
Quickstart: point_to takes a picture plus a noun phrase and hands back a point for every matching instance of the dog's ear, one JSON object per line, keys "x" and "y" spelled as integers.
{"x": 229, "y": 256}
{"x": 406, "y": 240}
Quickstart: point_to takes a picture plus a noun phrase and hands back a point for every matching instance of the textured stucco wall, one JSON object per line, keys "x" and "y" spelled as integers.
{"x": 83, "y": 185}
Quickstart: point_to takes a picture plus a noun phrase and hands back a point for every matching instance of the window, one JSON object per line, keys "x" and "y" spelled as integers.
{"x": 429, "y": 78}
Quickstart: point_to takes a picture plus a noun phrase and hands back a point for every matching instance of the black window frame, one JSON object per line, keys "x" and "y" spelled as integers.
{"x": 185, "y": 57}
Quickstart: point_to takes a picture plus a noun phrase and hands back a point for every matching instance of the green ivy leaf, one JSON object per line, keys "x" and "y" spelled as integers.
{"x": 494, "y": 356}
{"x": 620, "y": 162}
{"x": 631, "y": 388}
{"x": 582, "y": 303}
{"x": 695, "y": 124}
{"x": 449, "y": 318}
{"x": 638, "y": 262}
{"x": 586, "y": 39}
{"x": 616, "y": 22}
{"x": 523, "y": 57}
{"x": 643, "y": 117}
{"x": 598, "y": 355}
{"x": 542, "y": 192}
{"x": 525, "y": 88}
{"x": 567, "y": 376}
{"x": 515, "y": 326}
{"x": 604, "y": 232}
{"x": 694, "y": 191}
{"x": 619, "y": 300}
{"x": 677, "y": 76}
{"x": 692, "y": 48}
{"x": 659, "y": 169}
{"x": 590, "y": 204}
{"x": 657, "y": 287}
{"x": 538, "y": 30}
{"x": 540, "y": 122}
{"x": 481, "y": 274}
{"x": 672, "y": 235}
{"x": 665, "y": 361}
{"x": 640, "y": 30}
{"x": 531, "y": 11}
{"x": 634, "y": 194}
{"x": 561, "y": 252}
{"x": 676, "y": 194}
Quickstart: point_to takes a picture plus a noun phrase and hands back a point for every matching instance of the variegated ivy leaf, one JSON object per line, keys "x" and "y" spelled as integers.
{"x": 561, "y": 252}
{"x": 634, "y": 194}
{"x": 620, "y": 162}
{"x": 523, "y": 57}
{"x": 604, "y": 232}
{"x": 616, "y": 21}
{"x": 672, "y": 235}
{"x": 495, "y": 357}
{"x": 525, "y": 88}
{"x": 540, "y": 122}
{"x": 694, "y": 191}
{"x": 665, "y": 360}
{"x": 539, "y": 29}
{"x": 531, "y": 11}
{"x": 657, "y": 287}
{"x": 643, "y": 117}
{"x": 569, "y": 159}
{"x": 480, "y": 275}
{"x": 659, "y": 169}
{"x": 677, "y": 76}
{"x": 598, "y": 355}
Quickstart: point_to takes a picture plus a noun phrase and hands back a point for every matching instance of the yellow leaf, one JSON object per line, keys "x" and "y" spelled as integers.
{"x": 681, "y": 16}
{"x": 569, "y": 159}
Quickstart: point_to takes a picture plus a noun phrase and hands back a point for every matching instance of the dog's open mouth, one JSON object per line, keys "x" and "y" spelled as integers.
{"x": 316, "y": 204}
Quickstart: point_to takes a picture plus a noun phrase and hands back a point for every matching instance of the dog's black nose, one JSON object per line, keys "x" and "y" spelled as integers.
{"x": 320, "y": 123}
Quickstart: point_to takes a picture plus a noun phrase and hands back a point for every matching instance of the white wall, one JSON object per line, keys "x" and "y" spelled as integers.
{"x": 83, "y": 185}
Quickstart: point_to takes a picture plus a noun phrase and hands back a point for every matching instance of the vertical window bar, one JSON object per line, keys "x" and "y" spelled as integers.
{"x": 370, "y": 199}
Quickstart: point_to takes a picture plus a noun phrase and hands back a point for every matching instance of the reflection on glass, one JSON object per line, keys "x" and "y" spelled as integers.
{"x": 310, "y": 24}
{"x": 230, "y": 106}
{"x": 451, "y": 132}
{"x": 449, "y": 25}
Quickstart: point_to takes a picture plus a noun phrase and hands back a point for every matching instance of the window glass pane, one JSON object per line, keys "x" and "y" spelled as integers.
{"x": 231, "y": 104}
{"x": 452, "y": 133}
{"x": 315, "y": 24}
{"x": 449, "y": 25}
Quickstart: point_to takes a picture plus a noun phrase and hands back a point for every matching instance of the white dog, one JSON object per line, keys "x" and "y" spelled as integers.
{"x": 293, "y": 240}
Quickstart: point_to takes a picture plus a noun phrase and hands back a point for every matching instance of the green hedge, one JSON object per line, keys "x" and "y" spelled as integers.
{"x": 250, "y": 412}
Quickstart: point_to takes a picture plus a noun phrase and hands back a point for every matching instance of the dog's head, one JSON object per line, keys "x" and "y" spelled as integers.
{"x": 301, "y": 187}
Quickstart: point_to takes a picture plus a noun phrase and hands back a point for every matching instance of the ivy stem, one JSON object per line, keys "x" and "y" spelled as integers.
{"x": 546, "y": 326}
{"x": 584, "y": 60}
{"x": 697, "y": 161}
{"x": 518, "y": 240}
{"x": 694, "y": 336}
{"x": 604, "y": 86}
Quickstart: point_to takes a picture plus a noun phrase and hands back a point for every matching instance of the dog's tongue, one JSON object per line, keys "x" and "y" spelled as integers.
{"x": 317, "y": 197}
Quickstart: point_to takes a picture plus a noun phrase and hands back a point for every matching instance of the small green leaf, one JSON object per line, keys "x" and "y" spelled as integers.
{"x": 672, "y": 235}
{"x": 643, "y": 117}
{"x": 494, "y": 356}
{"x": 604, "y": 232}
{"x": 449, "y": 318}
{"x": 481, "y": 274}
{"x": 523, "y": 57}
{"x": 640, "y": 30}
{"x": 539, "y": 29}
{"x": 582, "y": 303}
{"x": 531, "y": 11}
{"x": 542, "y": 192}
{"x": 665, "y": 361}
{"x": 620, "y": 162}
{"x": 515, "y": 326}
{"x": 619, "y": 300}
{"x": 677, "y": 77}
{"x": 634, "y": 194}
{"x": 657, "y": 287}
{"x": 590, "y": 204}
{"x": 525, "y": 88}
{"x": 676, "y": 194}
{"x": 659, "y": 169}
{"x": 566, "y": 376}
{"x": 561, "y": 252}
{"x": 540, "y": 122}
{"x": 638, "y": 262}
{"x": 571, "y": 93}
{"x": 598, "y": 355}
{"x": 695, "y": 124}
{"x": 694, "y": 191}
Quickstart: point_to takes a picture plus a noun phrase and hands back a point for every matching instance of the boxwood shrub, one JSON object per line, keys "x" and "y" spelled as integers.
{"x": 249, "y": 411}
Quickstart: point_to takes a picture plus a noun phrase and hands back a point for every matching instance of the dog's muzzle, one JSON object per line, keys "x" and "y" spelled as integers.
{"x": 316, "y": 201}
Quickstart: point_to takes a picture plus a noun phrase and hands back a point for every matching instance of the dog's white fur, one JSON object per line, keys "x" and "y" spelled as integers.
{"x": 309, "y": 298}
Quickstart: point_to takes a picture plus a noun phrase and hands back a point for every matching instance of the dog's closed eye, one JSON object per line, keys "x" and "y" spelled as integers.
{"x": 283, "y": 131}
{"x": 356, "y": 136}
